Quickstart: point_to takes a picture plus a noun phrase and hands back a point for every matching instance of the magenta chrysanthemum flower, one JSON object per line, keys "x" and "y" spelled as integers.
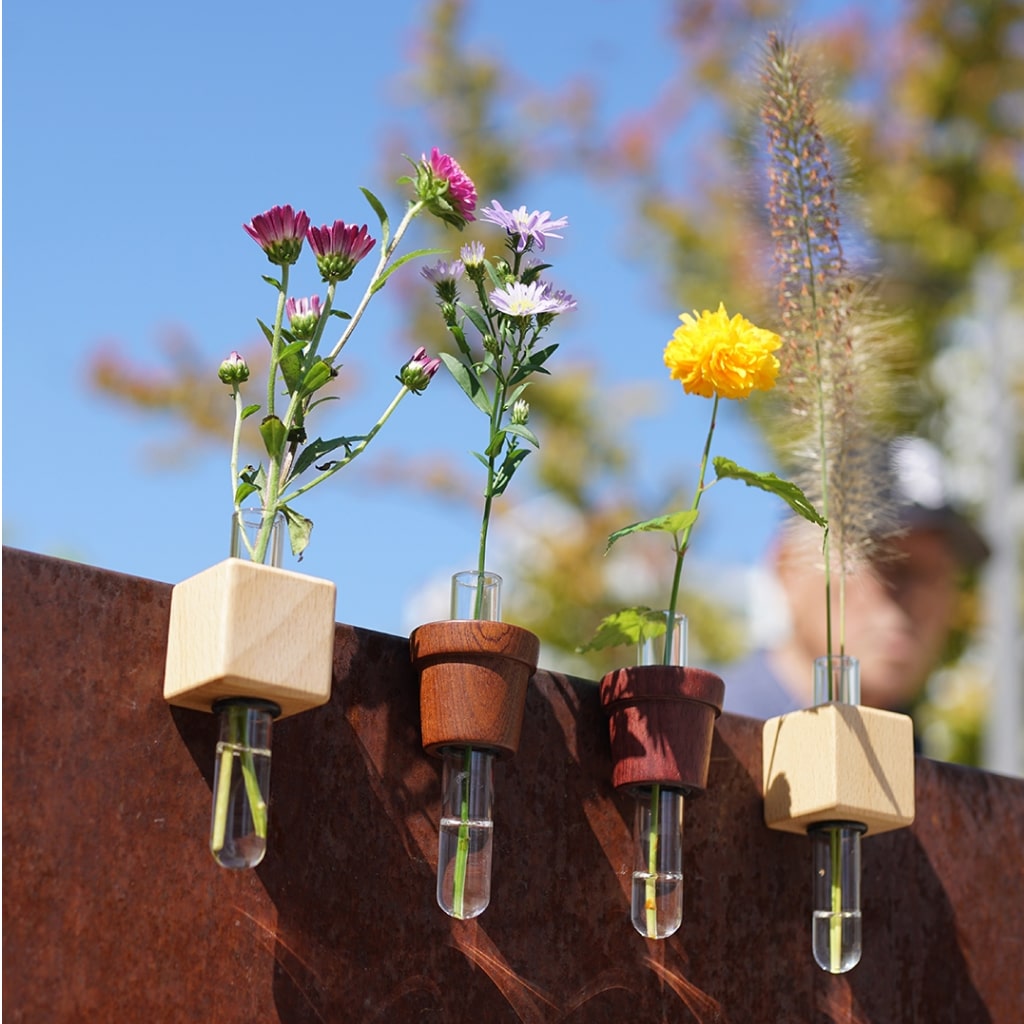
{"x": 534, "y": 299}
{"x": 303, "y": 315}
{"x": 446, "y": 188}
{"x": 536, "y": 226}
{"x": 339, "y": 248}
{"x": 279, "y": 233}
{"x": 417, "y": 373}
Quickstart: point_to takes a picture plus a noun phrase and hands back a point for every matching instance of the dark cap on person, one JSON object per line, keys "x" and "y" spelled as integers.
{"x": 919, "y": 498}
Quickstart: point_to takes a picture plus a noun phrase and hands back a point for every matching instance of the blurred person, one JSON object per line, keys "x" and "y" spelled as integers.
{"x": 900, "y": 606}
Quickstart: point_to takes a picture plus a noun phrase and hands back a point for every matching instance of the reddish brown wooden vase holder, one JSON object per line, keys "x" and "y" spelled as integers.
{"x": 473, "y": 680}
{"x": 661, "y": 720}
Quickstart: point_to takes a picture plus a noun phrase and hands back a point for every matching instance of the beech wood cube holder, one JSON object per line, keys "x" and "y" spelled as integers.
{"x": 838, "y": 762}
{"x": 241, "y": 629}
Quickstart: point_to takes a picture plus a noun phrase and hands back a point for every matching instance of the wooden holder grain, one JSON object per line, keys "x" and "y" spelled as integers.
{"x": 240, "y": 629}
{"x": 473, "y": 679}
{"x": 661, "y": 721}
{"x": 838, "y": 762}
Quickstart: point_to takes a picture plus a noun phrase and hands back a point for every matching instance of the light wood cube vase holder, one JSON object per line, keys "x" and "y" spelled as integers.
{"x": 838, "y": 763}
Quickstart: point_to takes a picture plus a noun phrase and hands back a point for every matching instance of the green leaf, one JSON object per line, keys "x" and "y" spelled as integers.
{"x": 272, "y": 281}
{"x": 316, "y": 377}
{"x": 245, "y": 488}
{"x": 726, "y": 469}
{"x": 530, "y": 274}
{"x": 267, "y": 332}
{"x": 317, "y": 450}
{"x": 249, "y": 410}
{"x": 382, "y": 280}
{"x": 469, "y": 382}
{"x": 274, "y": 436}
{"x": 299, "y": 529}
{"x": 382, "y": 214}
{"x": 673, "y": 522}
{"x": 503, "y": 477}
{"x": 535, "y": 364}
{"x": 524, "y": 432}
{"x": 476, "y": 318}
{"x": 341, "y": 314}
{"x": 627, "y": 627}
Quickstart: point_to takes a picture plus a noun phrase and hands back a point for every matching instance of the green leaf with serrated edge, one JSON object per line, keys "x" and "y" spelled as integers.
{"x": 382, "y": 214}
{"x": 249, "y": 410}
{"x": 476, "y": 318}
{"x": 673, "y": 522}
{"x": 524, "y": 432}
{"x": 299, "y": 529}
{"x": 726, "y": 469}
{"x": 245, "y": 488}
{"x": 625, "y": 628}
{"x": 274, "y": 436}
{"x": 469, "y": 382}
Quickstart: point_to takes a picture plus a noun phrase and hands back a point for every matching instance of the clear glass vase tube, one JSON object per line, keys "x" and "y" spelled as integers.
{"x": 476, "y": 595}
{"x": 656, "y": 903}
{"x": 656, "y": 898}
{"x": 466, "y": 834}
{"x": 256, "y": 537}
{"x": 241, "y": 774}
{"x": 241, "y": 782}
{"x": 836, "y": 915}
{"x": 836, "y": 937}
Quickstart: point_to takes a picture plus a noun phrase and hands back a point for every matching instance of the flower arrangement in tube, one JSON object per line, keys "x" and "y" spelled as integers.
{"x": 306, "y": 336}
{"x": 717, "y": 357}
{"x": 510, "y": 305}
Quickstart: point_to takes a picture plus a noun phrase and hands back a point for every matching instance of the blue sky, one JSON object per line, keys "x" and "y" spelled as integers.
{"x": 137, "y": 140}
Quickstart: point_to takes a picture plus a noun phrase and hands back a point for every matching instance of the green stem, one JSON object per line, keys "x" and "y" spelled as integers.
{"x": 684, "y": 540}
{"x": 651, "y": 896}
{"x": 835, "y": 926}
{"x": 462, "y": 848}
{"x": 386, "y": 252}
{"x": 356, "y": 450}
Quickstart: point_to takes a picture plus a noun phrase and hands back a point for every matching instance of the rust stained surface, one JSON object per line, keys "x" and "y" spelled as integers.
{"x": 114, "y": 909}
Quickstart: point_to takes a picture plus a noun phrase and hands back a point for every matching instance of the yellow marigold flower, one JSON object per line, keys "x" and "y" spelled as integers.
{"x": 712, "y": 353}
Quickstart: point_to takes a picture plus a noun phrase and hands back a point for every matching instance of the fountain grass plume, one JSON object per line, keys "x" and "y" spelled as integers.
{"x": 835, "y": 345}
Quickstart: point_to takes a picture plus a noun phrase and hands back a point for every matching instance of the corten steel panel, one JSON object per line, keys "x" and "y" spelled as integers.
{"x": 115, "y": 911}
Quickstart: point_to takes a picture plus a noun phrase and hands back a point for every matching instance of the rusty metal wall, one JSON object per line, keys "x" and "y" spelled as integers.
{"x": 114, "y": 910}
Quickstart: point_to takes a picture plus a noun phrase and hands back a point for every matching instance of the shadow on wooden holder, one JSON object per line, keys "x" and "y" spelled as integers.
{"x": 473, "y": 679}
{"x": 661, "y": 720}
{"x": 240, "y": 629}
{"x": 838, "y": 762}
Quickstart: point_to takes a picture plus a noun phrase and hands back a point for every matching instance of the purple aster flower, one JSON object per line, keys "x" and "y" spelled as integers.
{"x": 472, "y": 254}
{"x": 562, "y": 301}
{"x": 518, "y": 299}
{"x": 529, "y": 227}
{"x": 303, "y": 315}
{"x": 417, "y": 373}
{"x": 279, "y": 233}
{"x": 446, "y": 188}
{"x": 339, "y": 248}
{"x": 442, "y": 270}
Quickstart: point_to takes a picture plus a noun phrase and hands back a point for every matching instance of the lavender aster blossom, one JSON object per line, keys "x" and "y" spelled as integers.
{"x": 442, "y": 270}
{"x": 529, "y": 227}
{"x": 279, "y": 233}
{"x": 472, "y": 254}
{"x": 534, "y": 299}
